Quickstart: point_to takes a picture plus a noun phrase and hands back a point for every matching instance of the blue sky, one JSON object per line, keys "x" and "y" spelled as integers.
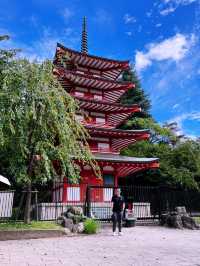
{"x": 161, "y": 37}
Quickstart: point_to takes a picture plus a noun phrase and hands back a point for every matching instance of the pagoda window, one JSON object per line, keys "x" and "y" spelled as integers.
{"x": 95, "y": 76}
{"x": 108, "y": 180}
{"x": 98, "y": 97}
{"x": 73, "y": 193}
{"x": 79, "y": 94}
{"x": 97, "y": 72}
{"x": 95, "y": 92}
{"x": 81, "y": 89}
{"x": 100, "y": 120}
{"x": 103, "y": 146}
{"x": 80, "y": 72}
{"x": 108, "y": 169}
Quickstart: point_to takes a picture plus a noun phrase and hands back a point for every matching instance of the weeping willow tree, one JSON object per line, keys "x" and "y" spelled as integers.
{"x": 38, "y": 126}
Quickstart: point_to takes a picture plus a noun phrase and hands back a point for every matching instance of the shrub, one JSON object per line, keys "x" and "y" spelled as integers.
{"x": 91, "y": 226}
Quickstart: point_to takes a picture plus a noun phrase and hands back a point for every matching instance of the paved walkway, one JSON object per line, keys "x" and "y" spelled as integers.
{"x": 139, "y": 246}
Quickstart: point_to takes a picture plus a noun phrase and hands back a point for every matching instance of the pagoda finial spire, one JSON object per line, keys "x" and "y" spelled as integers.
{"x": 84, "y": 46}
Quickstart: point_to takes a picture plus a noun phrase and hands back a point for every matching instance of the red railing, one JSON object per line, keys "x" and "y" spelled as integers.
{"x": 88, "y": 97}
{"x": 94, "y": 123}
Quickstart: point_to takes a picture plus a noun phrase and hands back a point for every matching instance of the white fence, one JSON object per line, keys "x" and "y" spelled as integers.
{"x": 6, "y": 203}
{"x": 99, "y": 210}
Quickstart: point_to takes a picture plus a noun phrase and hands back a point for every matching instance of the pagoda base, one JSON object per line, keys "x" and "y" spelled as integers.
{"x": 112, "y": 168}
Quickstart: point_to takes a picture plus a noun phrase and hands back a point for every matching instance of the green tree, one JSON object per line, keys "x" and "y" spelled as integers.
{"x": 136, "y": 95}
{"x": 179, "y": 166}
{"x": 179, "y": 162}
{"x": 38, "y": 126}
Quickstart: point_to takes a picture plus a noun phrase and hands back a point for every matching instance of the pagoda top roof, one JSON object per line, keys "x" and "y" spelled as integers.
{"x": 97, "y": 105}
{"x": 92, "y": 81}
{"x": 116, "y": 132}
{"x": 120, "y": 158}
{"x": 92, "y": 60}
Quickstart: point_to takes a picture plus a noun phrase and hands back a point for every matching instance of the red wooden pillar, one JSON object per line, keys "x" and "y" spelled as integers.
{"x": 115, "y": 179}
{"x": 64, "y": 194}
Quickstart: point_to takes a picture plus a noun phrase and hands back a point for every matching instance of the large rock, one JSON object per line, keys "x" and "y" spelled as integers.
{"x": 179, "y": 219}
{"x": 68, "y": 223}
{"x": 75, "y": 228}
{"x": 75, "y": 210}
{"x": 73, "y": 219}
{"x": 174, "y": 220}
{"x": 67, "y": 231}
{"x": 189, "y": 222}
{"x": 181, "y": 211}
{"x": 70, "y": 215}
{"x": 80, "y": 227}
{"x": 65, "y": 222}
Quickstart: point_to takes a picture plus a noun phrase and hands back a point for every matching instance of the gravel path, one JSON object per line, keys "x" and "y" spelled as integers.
{"x": 139, "y": 246}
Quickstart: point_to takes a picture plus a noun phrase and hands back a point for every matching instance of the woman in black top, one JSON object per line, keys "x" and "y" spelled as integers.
{"x": 118, "y": 204}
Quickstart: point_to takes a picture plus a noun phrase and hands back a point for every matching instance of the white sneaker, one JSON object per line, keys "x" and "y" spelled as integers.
{"x": 120, "y": 234}
{"x": 114, "y": 234}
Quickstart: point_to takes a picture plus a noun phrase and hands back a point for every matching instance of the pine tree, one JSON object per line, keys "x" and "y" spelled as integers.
{"x": 136, "y": 95}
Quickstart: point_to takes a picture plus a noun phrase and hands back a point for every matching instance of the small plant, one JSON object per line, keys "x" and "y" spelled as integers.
{"x": 91, "y": 226}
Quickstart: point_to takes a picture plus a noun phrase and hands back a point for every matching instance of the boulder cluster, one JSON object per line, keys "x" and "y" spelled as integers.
{"x": 72, "y": 220}
{"x": 179, "y": 219}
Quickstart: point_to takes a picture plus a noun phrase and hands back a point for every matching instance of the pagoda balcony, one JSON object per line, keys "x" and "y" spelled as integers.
{"x": 109, "y": 96}
{"x": 115, "y": 113}
{"x": 88, "y": 96}
{"x": 111, "y": 90}
{"x": 92, "y": 124}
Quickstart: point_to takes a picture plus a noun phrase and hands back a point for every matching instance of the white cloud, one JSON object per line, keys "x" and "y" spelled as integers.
{"x": 180, "y": 119}
{"x": 158, "y": 25}
{"x": 149, "y": 14}
{"x": 174, "y": 48}
{"x": 44, "y": 47}
{"x": 129, "y": 19}
{"x": 169, "y": 6}
{"x": 129, "y": 33}
{"x": 67, "y": 13}
{"x": 180, "y": 2}
{"x": 175, "y": 106}
{"x": 102, "y": 16}
{"x": 167, "y": 11}
{"x": 141, "y": 61}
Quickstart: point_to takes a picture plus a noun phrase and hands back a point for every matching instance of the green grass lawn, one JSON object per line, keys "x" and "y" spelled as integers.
{"x": 197, "y": 219}
{"x": 32, "y": 226}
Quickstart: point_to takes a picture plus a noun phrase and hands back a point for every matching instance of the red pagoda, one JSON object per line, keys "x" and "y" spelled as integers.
{"x": 94, "y": 82}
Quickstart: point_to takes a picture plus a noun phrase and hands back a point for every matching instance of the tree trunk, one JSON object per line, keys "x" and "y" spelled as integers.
{"x": 27, "y": 213}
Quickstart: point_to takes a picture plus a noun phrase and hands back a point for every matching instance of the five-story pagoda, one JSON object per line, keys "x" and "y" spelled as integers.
{"x": 94, "y": 82}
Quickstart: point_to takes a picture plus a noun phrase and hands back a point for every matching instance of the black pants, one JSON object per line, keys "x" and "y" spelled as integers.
{"x": 117, "y": 220}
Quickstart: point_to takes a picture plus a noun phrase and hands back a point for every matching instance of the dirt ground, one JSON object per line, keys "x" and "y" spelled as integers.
{"x": 139, "y": 246}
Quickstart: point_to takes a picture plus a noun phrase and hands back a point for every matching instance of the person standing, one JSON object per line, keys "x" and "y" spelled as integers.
{"x": 118, "y": 204}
